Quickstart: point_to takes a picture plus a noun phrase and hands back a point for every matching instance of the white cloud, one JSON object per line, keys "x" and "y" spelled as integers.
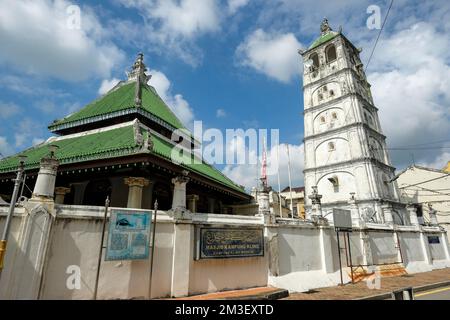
{"x": 221, "y": 113}
{"x": 176, "y": 102}
{"x": 172, "y": 26}
{"x": 248, "y": 175}
{"x": 26, "y": 132}
{"x": 5, "y": 147}
{"x": 39, "y": 41}
{"x": 411, "y": 90}
{"x": 235, "y": 5}
{"x": 440, "y": 162}
{"x": 187, "y": 17}
{"x": 275, "y": 55}
{"x": 107, "y": 85}
{"x": 8, "y": 109}
{"x": 37, "y": 141}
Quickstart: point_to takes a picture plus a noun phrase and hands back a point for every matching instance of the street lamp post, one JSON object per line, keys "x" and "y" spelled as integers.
{"x": 12, "y": 205}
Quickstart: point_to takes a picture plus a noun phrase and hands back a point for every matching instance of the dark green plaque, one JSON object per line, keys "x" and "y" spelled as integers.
{"x": 231, "y": 243}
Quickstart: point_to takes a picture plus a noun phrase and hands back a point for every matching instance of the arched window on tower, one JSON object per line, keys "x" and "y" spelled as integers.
{"x": 331, "y": 146}
{"x": 315, "y": 59}
{"x": 331, "y": 53}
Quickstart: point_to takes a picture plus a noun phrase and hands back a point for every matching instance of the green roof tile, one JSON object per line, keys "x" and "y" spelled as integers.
{"x": 109, "y": 144}
{"x": 122, "y": 99}
{"x": 322, "y": 39}
{"x": 106, "y": 144}
{"x": 164, "y": 149}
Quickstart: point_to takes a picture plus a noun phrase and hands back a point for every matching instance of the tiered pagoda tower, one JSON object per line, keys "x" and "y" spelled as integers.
{"x": 345, "y": 150}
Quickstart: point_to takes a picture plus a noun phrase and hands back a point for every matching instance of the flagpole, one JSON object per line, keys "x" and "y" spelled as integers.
{"x": 290, "y": 184}
{"x": 278, "y": 174}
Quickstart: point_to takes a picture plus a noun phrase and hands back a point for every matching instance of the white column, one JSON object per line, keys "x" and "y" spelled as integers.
{"x": 264, "y": 207}
{"x": 426, "y": 248}
{"x": 179, "y": 192}
{"x": 60, "y": 193}
{"x": 387, "y": 213}
{"x": 366, "y": 248}
{"x": 445, "y": 244}
{"x": 432, "y": 213}
{"x": 326, "y": 250}
{"x": 45, "y": 183}
{"x": 135, "y": 185}
{"x": 412, "y": 210}
{"x": 182, "y": 259}
{"x": 316, "y": 206}
{"x": 192, "y": 200}
{"x": 356, "y": 220}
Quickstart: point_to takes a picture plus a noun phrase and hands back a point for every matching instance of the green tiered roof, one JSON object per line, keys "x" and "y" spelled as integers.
{"x": 322, "y": 39}
{"x": 123, "y": 99}
{"x": 130, "y": 97}
{"x": 101, "y": 145}
{"x": 107, "y": 144}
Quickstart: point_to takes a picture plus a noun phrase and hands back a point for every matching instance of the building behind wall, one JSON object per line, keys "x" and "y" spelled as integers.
{"x": 297, "y": 195}
{"x": 425, "y": 187}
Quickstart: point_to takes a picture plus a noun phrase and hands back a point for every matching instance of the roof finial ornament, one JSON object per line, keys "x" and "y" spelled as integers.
{"x": 324, "y": 27}
{"x": 138, "y": 70}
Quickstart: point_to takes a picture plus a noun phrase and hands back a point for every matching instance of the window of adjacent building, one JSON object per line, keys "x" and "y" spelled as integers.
{"x": 331, "y": 53}
{"x": 315, "y": 59}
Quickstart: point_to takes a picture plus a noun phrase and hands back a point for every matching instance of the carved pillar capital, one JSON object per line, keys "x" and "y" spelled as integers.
{"x": 412, "y": 210}
{"x": 193, "y": 197}
{"x": 180, "y": 180}
{"x": 62, "y": 191}
{"x": 136, "y": 182}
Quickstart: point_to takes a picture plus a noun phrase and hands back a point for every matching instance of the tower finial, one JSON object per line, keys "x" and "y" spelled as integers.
{"x": 324, "y": 27}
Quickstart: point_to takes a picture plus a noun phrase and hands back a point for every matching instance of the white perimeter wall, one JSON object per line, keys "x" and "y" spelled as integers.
{"x": 297, "y": 257}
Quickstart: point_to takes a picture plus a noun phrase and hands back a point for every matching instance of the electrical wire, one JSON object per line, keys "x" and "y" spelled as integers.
{"x": 416, "y": 184}
{"x": 426, "y": 143}
{"x": 379, "y": 34}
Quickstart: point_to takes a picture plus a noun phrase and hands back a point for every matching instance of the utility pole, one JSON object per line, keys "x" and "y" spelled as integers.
{"x": 12, "y": 205}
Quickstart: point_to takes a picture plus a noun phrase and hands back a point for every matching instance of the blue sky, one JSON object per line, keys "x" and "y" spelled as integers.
{"x": 231, "y": 64}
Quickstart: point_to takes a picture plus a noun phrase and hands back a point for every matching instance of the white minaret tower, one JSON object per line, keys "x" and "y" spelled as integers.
{"x": 345, "y": 149}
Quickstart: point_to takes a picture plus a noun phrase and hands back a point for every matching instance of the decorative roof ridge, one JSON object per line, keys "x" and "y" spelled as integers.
{"x": 93, "y": 131}
{"x": 191, "y": 167}
{"x": 160, "y": 136}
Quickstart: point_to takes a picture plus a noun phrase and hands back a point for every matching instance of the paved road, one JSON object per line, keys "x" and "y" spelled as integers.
{"x": 434, "y": 294}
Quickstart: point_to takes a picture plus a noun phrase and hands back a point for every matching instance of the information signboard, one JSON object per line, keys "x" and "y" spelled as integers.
{"x": 214, "y": 243}
{"x": 129, "y": 234}
{"x": 342, "y": 219}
